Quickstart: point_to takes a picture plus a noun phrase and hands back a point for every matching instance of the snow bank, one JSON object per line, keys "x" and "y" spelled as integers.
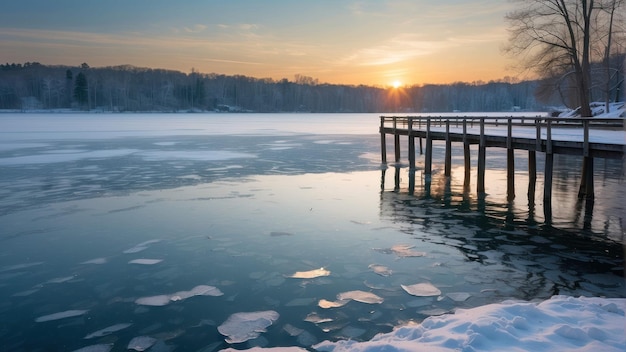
{"x": 561, "y": 323}
{"x": 616, "y": 110}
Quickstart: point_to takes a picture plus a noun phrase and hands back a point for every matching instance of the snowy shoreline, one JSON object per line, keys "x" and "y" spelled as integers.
{"x": 561, "y": 323}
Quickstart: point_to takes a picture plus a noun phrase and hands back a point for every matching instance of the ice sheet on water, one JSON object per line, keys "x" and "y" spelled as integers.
{"x": 401, "y": 250}
{"x": 155, "y": 301}
{"x": 316, "y": 318}
{"x": 95, "y": 261}
{"x": 458, "y": 296}
{"x": 162, "y": 300}
{"x": 380, "y": 269}
{"x": 244, "y": 326}
{"x": 280, "y": 234}
{"x": 64, "y": 157}
{"x": 423, "y": 289}
{"x": 332, "y": 304}
{"x": 360, "y": 296}
{"x": 108, "y": 330}
{"x": 25, "y": 293}
{"x": 96, "y": 348}
{"x": 141, "y": 343}
{"x": 205, "y": 155}
{"x": 60, "y": 280}
{"x": 311, "y": 274}
{"x": 145, "y": 261}
{"x": 61, "y": 315}
{"x": 19, "y": 266}
{"x": 141, "y": 246}
{"x": 270, "y": 349}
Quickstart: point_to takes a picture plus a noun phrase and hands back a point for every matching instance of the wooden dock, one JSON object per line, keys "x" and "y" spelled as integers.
{"x": 588, "y": 137}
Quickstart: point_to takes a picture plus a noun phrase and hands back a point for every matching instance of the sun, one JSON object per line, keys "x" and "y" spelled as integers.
{"x": 396, "y": 84}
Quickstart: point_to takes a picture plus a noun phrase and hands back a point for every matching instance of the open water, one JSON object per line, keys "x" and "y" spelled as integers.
{"x": 100, "y": 214}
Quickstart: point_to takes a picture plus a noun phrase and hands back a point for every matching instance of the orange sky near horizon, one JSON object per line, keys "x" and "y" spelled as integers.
{"x": 341, "y": 42}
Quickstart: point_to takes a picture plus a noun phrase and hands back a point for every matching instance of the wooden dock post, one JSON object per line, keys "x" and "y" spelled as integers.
{"x": 448, "y": 161}
{"x": 428, "y": 162}
{"x": 411, "y": 145}
{"x": 586, "y": 189}
{"x": 396, "y": 139}
{"x": 383, "y": 141}
{"x": 466, "y": 157}
{"x": 510, "y": 162}
{"x": 532, "y": 175}
{"x": 396, "y": 178}
{"x": 480, "y": 188}
{"x": 547, "y": 184}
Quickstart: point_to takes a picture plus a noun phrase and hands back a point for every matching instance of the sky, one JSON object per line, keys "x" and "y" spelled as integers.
{"x": 371, "y": 42}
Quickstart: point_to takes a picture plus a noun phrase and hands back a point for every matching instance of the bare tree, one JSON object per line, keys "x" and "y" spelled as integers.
{"x": 555, "y": 38}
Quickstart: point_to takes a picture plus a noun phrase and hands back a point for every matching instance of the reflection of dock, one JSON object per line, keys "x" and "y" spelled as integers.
{"x": 588, "y": 137}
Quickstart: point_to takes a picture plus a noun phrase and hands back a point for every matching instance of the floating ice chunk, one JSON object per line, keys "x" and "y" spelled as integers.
{"x": 135, "y": 249}
{"x": 59, "y": 280}
{"x": 61, "y": 315}
{"x": 311, "y": 274}
{"x": 401, "y": 250}
{"x": 201, "y": 290}
{"x": 380, "y": 269}
{"x": 270, "y": 349}
{"x": 316, "y": 319}
{"x": 405, "y": 250}
{"x": 144, "y": 261}
{"x": 140, "y": 247}
{"x": 332, "y": 304}
{"x": 108, "y": 330}
{"x": 141, "y": 343}
{"x": 25, "y": 293}
{"x": 280, "y": 233}
{"x": 422, "y": 289}
{"x": 433, "y": 311}
{"x": 206, "y": 290}
{"x": 162, "y": 300}
{"x": 244, "y": 326}
{"x": 19, "y": 266}
{"x": 458, "y": 296}
{"x": 95, "y": 348}
{"x": 95, "y": 261}
{"x": 360, "y": 296}
{"x": 155, "y": 301}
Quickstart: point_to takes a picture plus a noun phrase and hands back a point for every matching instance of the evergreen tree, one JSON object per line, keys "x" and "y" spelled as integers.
{"x": 69, "y": 77}
{"x": 80, "y": 89}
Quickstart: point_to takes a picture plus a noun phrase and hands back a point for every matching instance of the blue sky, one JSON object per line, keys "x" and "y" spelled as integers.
{"x": 352, "y": 42}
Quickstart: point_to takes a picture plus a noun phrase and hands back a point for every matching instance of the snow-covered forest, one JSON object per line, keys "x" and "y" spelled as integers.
{"x": 34, "y": 86}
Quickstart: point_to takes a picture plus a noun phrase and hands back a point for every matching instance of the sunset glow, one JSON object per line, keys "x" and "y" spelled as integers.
{"x": 366, "y": 42}
{"x": 396, "y": 84}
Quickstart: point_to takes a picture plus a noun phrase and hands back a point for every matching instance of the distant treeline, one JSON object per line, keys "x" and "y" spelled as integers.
{"x": 34, "y": 86}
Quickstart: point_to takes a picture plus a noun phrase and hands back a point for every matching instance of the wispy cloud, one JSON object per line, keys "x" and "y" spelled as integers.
{"x": 198, "y": 28}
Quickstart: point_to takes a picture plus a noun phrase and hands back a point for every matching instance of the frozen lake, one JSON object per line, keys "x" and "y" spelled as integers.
{"x": 165, "y": 225}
